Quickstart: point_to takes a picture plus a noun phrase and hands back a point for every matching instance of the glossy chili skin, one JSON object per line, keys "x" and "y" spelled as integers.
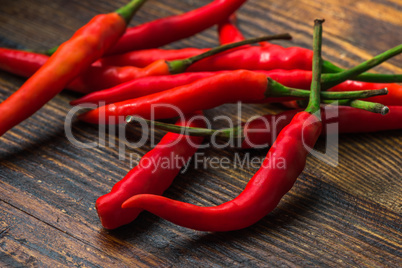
{"x": 257, "y": 58}
{"x": 19, "y": 62}
{"x": 102, "y": 77}
{"x": 262, "y": 131}
{"x": 149, "y": 85}
{"x": 74, "y": 56}
{"x": 267, "y": 57}
{"x": 140, "y": 87}
{"x": 202, "y": 94}
{"x": 228, "y": 32}
{"x": 144, "y": 57}
{"x": 25, "y": 64}
{"x": 280, "y": 169}
{"x": 166, "y": 30}
{"x": 149, "y": 176}
{"x": 393, "y": 98}
{"x": 96, "y": 77}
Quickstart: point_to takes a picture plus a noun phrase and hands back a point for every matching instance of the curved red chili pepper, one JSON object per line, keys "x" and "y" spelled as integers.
{"x": 202, "y": 94}
{"x": 74, "y": 56}
{"x": 283, "y": 164}
{"x": 280, "y": 169}
{"x": 149, "y": 176}
{"x": 166, "y": 30}
{"x": 228, "y": 32}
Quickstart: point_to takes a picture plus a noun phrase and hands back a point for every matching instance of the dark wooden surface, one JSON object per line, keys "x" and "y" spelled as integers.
{"x": 348, "y": 215}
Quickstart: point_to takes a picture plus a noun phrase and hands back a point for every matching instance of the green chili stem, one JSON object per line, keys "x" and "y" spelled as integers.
{"x": 179, "y": 66}
{"x": 236, "y": 132}
{"x": 329, "y": 80}
{"x": 364, "y": 105}
{"x": 128, "y": 11}
{"x": 328, "y": 67}
{"x": 359, "y": 104}
{"x": 276, "y": 89}
{"x": 314, "y": 102}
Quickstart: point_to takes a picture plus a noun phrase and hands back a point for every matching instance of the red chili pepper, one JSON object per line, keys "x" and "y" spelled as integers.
{"x": 21, "y": 62}
{"x": 280, "y": 169}
{"x": 293, "y": 78}
{"x": 166, "y": 30}
{"x": 250, "y": 57}
{"x": 141, "y": 87}
{"x": 151, "y": 175}
{"x": 149, "y": 85}
{"x": 257, "y": 58}
{"x": 228, "y": 32}
{"x": 283, "y": 164}
{"x": 206, "y": 93}
{"x": 142, "y": 58}
{"x": 74, "y": 56}
{"x": 96, "y": 77}
{"x": 202, "y": 94}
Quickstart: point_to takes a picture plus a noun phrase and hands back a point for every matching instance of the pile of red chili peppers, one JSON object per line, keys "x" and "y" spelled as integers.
{"x": 126, "y": 74}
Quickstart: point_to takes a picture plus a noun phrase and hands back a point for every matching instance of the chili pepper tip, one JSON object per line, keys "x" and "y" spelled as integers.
{"x": 129, "y": 118}
{"x": 384, "y": 110}
{"x": 129, "y": 202}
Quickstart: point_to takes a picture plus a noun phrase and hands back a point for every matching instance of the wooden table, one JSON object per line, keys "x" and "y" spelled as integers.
{"x": 343, "y": 215}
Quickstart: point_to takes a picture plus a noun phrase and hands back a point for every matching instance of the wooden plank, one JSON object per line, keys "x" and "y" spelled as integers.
{"x": 73, "y": 226}
{"x": 28, "y": 242}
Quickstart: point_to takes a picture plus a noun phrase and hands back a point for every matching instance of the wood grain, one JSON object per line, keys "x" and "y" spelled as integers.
{"x": 343, "y": 215}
